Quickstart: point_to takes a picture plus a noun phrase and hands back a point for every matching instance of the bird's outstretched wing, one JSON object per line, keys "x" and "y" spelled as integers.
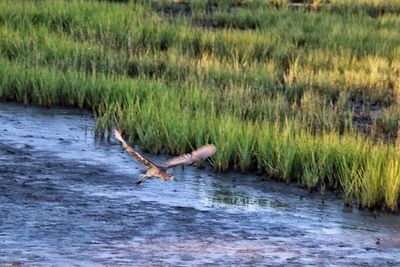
{"x": 201, "y": 153}
{"x": 131, "y": 151}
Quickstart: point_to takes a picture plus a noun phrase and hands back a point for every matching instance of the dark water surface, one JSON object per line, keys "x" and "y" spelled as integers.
{"x": 66, "y": 199}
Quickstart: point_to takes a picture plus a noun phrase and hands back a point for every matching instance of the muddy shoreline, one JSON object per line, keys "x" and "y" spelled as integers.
{"x": 68, "y": 199}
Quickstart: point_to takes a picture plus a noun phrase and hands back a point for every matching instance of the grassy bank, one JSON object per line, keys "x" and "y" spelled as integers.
{"x": 301, "y": 96}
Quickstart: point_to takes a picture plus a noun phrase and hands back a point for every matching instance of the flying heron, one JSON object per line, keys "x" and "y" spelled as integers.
{"x": 160, "y": 170}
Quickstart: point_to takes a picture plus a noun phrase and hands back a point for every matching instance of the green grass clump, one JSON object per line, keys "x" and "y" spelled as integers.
{"x": 391, "y": 186}
{"x": 278, "y": 91}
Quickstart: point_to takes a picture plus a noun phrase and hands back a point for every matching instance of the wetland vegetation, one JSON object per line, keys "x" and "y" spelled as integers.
{"x": 310, "y": 95}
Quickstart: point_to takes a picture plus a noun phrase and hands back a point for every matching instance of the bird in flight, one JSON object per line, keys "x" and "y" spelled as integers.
{"x": 160, "y": 170}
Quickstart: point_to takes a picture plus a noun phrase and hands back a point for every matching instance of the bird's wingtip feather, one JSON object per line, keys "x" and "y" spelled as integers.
{"x": 118, "y": 135}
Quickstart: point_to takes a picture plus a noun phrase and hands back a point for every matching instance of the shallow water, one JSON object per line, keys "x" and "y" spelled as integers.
{"x": 68, "y": 199}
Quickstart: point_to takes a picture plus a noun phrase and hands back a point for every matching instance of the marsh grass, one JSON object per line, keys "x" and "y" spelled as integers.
{"x": 391, "y": 186}
{"x": 270, "y": 87}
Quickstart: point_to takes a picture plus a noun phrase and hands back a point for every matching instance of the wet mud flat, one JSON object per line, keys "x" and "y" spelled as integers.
{"x": 68, "y": 199}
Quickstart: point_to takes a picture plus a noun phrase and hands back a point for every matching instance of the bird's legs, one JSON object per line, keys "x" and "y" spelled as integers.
{"x": 139, "y": 181}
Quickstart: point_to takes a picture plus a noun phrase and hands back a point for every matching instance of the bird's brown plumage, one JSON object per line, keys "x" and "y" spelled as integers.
{"x": 155, "y": 170}
{"x": 131, "y": 151}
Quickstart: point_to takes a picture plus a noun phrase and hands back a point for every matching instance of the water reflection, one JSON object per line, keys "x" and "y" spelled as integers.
{"x": 220, "y": 194}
